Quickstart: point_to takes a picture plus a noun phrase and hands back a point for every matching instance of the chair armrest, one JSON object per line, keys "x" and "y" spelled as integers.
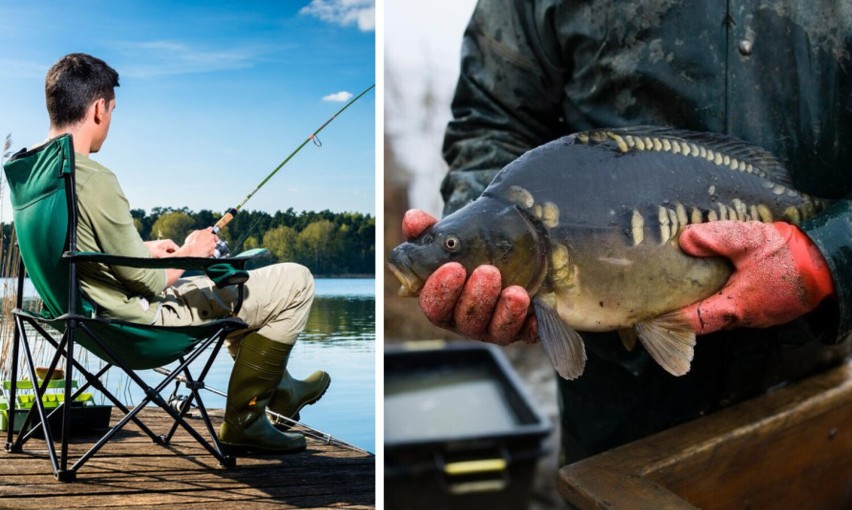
{"x": 223, "y": 271}
{"x": 200, "y": 263}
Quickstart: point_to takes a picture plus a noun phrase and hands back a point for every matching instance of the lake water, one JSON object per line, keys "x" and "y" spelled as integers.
{"x": 340, "y": 339}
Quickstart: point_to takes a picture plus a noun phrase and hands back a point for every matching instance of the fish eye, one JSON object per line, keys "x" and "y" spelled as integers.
{"x": 452, "y": 243}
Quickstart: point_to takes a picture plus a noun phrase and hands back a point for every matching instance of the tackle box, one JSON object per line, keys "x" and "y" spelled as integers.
{"x": 460, "y": 432}
{"x": 86, "y": 415}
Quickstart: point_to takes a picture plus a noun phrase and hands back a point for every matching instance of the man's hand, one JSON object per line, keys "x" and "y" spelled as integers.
{"x": 199, "y": 243}
{"x": 475, "y": 307}
{"x": 161, "y": 248}
{"x": 779, "y": 275}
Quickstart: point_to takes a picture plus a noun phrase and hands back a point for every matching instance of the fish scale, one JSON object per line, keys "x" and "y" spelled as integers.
{"x": 588, "y": 225}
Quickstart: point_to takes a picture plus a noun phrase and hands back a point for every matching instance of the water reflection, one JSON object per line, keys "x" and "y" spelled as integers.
{"x": 341, "y": 319}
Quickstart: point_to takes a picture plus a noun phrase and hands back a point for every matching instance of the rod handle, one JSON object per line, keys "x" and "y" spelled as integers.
{"x": 224, "y": 220}
{"x": 222, "y": 249}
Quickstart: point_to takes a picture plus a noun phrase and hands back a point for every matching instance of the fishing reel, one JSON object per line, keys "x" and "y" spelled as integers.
{"x": 221, "y": 250}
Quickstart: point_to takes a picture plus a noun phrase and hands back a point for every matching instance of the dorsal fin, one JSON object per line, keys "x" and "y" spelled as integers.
{"x": 743, "y": 152}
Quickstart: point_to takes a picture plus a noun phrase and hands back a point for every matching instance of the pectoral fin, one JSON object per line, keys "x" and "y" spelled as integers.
{"x": 563, "y": 345}
{"x": 670, "y": 340}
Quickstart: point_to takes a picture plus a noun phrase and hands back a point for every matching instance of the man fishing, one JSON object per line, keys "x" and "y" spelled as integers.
{"x": 534, "y": 71}
{"x": 80, "y": 94}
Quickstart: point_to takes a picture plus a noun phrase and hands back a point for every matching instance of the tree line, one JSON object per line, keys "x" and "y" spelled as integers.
{"x": 328, "y": 243}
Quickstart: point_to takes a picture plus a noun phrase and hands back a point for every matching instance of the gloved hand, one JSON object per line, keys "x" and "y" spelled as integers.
{"x": 779, "y": 275}
{"x": 474, "y": 307}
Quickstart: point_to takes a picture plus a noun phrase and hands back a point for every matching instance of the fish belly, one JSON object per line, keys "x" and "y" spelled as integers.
{"x": 610, "y": 291}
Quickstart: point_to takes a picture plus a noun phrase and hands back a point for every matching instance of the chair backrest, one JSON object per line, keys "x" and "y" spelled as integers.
{"x": 41, "y": 185}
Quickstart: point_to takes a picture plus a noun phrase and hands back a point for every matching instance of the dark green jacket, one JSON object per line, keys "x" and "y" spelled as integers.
{"x": 775, "y": 73}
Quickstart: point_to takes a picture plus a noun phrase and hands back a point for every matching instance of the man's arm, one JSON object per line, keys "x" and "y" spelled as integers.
{"x": 104, "y": 209}
{"x": 831, "y": 232}
{"x": 508, "y": 99}
{"x": 109, "y": 214}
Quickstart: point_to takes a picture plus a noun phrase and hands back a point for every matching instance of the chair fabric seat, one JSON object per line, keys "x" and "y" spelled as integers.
{"x": 141, "y": 346}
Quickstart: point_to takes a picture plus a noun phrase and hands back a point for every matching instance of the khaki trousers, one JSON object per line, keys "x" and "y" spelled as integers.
{"x": 276, "y": 303}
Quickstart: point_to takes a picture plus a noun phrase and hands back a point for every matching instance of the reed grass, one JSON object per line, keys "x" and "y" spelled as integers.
{"x": 8, "y": 294}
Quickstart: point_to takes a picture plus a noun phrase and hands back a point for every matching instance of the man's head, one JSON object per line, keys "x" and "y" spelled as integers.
{"x": 80, "y": 95}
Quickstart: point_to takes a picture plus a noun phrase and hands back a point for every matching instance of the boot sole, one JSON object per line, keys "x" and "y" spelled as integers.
{"x": 284, "y": 426}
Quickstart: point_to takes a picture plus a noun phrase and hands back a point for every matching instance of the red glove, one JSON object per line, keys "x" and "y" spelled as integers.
{"x": 779, "y": 275}
{"x": 474, "y": 307}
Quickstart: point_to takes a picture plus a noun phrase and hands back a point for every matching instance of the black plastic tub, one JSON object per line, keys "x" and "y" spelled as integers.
{"x": 460, "y": 431}
{"x": 84, "y": 420}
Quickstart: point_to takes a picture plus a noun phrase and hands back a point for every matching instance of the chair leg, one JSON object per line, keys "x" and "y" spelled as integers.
{"x": 39, "y": 405}
{"x": 11, "y": 445}
{"x": 93, "y": 380}
{"x": 64, "y": 348}
{"x": 226, "y": 460}
{"x": 154, "y": 394}
{"x": 194, "y": 385}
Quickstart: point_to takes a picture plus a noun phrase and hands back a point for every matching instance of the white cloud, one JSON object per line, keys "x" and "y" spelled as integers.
{"x": 338, "y": 97}
{"x": 344, "y": 12}
{"x": 20, "y": 68}
{"x": 161, "y": 58}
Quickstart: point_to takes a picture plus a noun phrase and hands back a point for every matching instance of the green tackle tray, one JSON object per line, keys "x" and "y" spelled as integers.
{"x": 460, "y": 430}
{"x": 86, "y": 416}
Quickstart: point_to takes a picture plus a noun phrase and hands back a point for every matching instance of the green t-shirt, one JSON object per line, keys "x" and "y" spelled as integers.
{"x": 105, "y": 225}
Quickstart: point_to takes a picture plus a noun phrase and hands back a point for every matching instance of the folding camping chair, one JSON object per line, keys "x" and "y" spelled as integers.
{"x": 41, "y": 183}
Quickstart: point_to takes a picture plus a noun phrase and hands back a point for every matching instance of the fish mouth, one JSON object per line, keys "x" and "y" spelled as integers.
{"x": 411, "y": 283}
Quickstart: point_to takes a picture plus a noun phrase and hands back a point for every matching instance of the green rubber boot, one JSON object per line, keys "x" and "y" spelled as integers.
{"x": 258, "y": 368}
{"x": 291, "y": 395}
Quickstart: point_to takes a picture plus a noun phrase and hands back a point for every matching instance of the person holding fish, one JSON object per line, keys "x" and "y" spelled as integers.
{"x": 720, "y": 212}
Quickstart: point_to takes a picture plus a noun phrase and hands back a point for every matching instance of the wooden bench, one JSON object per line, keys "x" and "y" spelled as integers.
{"x": 791, "y": 448}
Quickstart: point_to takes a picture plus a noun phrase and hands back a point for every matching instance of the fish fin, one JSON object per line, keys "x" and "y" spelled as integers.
{"x": 563, "y": 345}
{"x": 670, "y": 340}
{"x": 628, "y": 338}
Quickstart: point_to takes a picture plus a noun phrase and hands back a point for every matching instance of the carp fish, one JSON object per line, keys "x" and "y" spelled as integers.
{"x": 588, "y": 224}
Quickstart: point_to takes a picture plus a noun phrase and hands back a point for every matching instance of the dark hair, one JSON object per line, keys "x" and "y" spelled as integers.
{"x": 73, "y": 83}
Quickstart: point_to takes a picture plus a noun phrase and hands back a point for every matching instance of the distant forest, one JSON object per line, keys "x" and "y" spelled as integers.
{"x": 328, "y": 243}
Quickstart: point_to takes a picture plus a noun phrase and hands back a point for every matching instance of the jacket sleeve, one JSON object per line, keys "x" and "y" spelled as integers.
{"x": 106, "y": 209}
{"x": 509, "y": 95}
{"x": 831, "y": 231}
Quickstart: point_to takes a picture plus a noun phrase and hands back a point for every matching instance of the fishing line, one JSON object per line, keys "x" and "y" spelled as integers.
{"x": 222, "y": 248}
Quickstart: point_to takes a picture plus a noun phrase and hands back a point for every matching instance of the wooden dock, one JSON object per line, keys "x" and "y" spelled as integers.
{"x": 789, "y": 448}
{"x": 131, "y": 471}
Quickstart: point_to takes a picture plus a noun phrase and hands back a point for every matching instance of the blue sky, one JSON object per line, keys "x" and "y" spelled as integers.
{"x": 213, "y": 96}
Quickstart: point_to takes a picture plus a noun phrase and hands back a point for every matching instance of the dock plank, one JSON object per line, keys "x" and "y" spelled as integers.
{"x": 131, "y": 471}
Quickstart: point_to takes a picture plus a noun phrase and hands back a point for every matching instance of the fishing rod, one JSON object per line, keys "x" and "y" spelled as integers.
{"x": 177, "y": 402}
{"x": 221, "y": 246}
